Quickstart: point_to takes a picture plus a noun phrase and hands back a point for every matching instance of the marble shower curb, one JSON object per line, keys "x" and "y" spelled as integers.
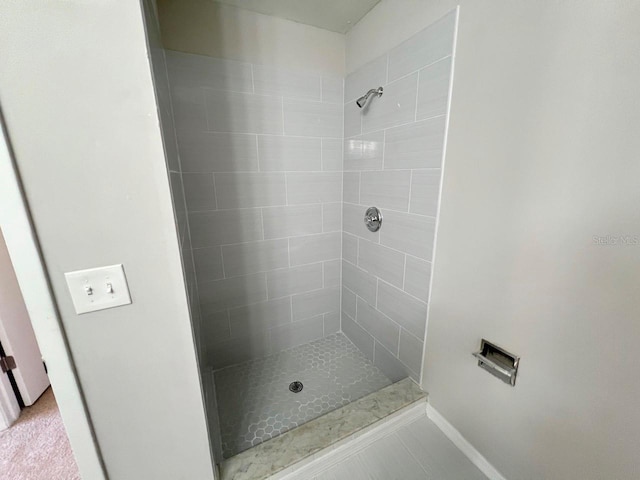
{"x": 280, "y": 453}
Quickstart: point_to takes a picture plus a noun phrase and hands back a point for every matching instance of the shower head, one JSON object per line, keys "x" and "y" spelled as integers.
{"x": 362, "y": 101}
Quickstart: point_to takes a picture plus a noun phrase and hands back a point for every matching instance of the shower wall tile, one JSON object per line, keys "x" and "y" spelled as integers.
{"x": 381, "y": 261}
{"x": 256, "y": 317}
{"x": 332, "y": 270}
{"x": 297, "y": 154}
{"x": 208, "y": 263}
{"x": 242, "y": 190}
{"x": 205, "y": 152}
{"x": 317, "y": 187}
{"x": 280, "y": 222}
{"x": 333, "y": 89}
{"x": 225, "y": 227}
{"x": 158, "y": 59}
{"x": 433, "y": 89}
{"x": 371, "y": 75}
{"x": 396, "y": 107}
{"x": 351, "y": 187}
{"x": 199, "y": 191}
{"x": 290, "y": 281}
{"x": 332, "y": 217}
{"x": 215, "y": 327}
{"x": 424, "y": 48}
{"x": 409, "y": 233}
{"x": 331, "y": 323}
{"x": 287, "y": 83}
{"x": 238, "y": 350}
{"x": 417, "y": 277}
{"x": 411, "y": 351}
{"x": 353, "y": 222}
{"x": 393, "y": 159}
{"x": 243, "y": 112}
{"x": 245, "y": 258}
{"x": 359, "y": 336}
{"x": 388, "y": 362}
{"x": 349, "y": 248}
{"x": 171, "y": 147}
{"x": 313, "y": 119}
{"x": 332, "y": 149}
{"x": 364, "y": 152}
{"x": 379, "y": 326}
{"x": 352, "y": 120}
{"x": 297, "y": 333}
{"x": 306, "y": 305}
{"x": 406, "y": 311}
{"x": 359, "y": 282}
{"x": 315, "y": 248}
{"x": 386, "y": 189}
{"x": 348, "y": 302}
{"x": 177, "y": 193}
{"x": 232, "y": 292}
{"x": 189, "y": 111}
{"x": 425, "y": 190}
{"x": 417, "y": 145}
{"x": 187, "y": 70}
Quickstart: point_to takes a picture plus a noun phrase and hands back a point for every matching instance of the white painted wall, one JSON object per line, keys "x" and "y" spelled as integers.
{"x": 77, "y": 95}
{"x": 542, "y": 155}
{"x": 25, "y": 258}
{"x": 222, "y": 31}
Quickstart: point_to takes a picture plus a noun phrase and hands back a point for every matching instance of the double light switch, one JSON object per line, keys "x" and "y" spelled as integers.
{"x": 98, "y": 288}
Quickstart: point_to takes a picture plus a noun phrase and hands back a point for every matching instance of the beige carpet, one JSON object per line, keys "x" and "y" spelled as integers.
{"x": 36, "y": 447}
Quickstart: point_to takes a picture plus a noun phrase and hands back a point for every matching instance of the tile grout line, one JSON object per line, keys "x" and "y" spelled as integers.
{"x": 384, "y": 281}
{"x": 388, "y": 209}
{"x": 415, "y": 114}
{"x": 224, "y": 276}
{"x": 284, "y": 133}
{"x": 449, "y": 55}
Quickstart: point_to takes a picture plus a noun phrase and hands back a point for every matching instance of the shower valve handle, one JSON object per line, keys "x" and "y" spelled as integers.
{"x": 373, "y": 219}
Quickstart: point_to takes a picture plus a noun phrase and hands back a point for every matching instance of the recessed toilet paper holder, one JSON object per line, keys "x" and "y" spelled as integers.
{"x": 498, "y": 362}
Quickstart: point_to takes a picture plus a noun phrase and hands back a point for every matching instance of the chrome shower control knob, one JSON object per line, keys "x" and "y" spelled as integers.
{"x": 373, "y": 219}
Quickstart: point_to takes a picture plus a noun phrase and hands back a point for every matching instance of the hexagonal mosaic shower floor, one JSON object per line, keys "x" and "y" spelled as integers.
{"x": 254, "y": 401}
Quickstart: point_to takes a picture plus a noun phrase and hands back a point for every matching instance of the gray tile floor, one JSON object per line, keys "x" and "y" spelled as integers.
{"x": 254, "y": 401}
{"x": 417, "y": 451}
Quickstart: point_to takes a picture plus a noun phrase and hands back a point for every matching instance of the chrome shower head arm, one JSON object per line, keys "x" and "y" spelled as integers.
{"x": 362, "y": 101}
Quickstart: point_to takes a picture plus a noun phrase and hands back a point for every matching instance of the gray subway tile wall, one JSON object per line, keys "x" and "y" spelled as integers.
{"x": 332, "y": 273}
{"x": 262, "y": 151}
{"x": 393, "y": 153}
{"x": 293, "y": 154}
{"x": 177, "y": 179}
{"x": 276, "y": 169}
{"x": 208, "y": 152}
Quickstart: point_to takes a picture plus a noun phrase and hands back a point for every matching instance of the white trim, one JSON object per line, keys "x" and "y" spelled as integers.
{"x": 332, "y": 455}
{"x": 9, "y": 409}
{"x": 463, "y": 445}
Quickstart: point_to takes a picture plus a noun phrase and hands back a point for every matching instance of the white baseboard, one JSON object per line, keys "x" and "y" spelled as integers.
{"x": 463, "y": 445}
{"x": 347, "y": 447}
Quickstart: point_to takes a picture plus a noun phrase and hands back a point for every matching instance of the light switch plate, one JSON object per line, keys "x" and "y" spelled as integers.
{"x": 98, "y": 288}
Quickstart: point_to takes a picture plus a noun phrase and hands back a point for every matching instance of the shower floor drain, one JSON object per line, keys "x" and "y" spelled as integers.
{"x": 295, "y": 387}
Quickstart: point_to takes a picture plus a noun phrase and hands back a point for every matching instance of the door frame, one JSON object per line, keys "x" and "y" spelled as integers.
{"x": 9, "y": 406}
{"x": 25, "y": 254}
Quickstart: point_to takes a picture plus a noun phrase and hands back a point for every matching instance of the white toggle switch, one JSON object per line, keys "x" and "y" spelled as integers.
{"x": 98, "y": 288}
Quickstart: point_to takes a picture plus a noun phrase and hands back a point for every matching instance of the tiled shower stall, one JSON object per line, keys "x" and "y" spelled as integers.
{"x": 272, "y": 171}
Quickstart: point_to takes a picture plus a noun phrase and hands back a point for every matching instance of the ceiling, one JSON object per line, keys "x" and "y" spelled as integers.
{"x": 335, "y": 15}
